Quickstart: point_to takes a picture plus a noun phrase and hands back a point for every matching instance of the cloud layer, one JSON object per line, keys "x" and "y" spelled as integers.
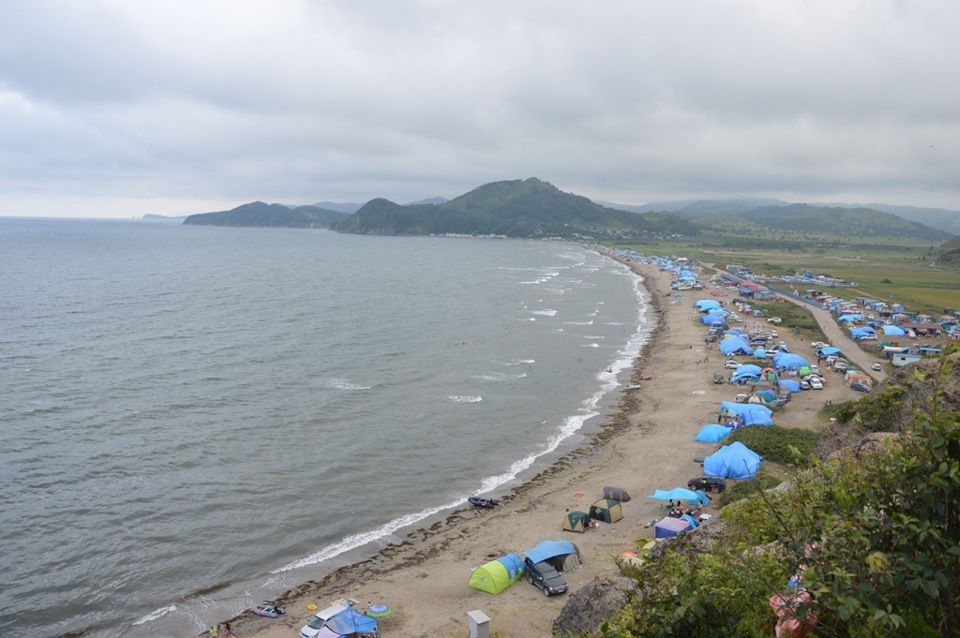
{"x": 117, "y": 108}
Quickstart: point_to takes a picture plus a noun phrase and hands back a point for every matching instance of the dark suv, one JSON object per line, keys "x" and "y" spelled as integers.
{"x": 544, "y": 576}
{"x": 708, "y": 483}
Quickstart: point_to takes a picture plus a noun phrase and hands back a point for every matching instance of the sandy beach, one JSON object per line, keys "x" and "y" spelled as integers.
{"x": 648, "y": 444}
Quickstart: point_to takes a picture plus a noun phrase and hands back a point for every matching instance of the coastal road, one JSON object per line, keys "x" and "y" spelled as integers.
{"x": 836, "y": 336}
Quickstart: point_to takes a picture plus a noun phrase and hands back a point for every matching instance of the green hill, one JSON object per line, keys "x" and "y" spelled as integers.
{"x": 821, "y": 222}
{"x": 260, "y": 214}
{"x": 518, "y": 208}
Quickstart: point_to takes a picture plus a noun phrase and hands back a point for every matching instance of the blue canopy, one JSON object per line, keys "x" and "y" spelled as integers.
{"x": 749, "y": 413}
{"x": 865, "y": 330}
{"x": 830, "y": 350}
{"x": 545, "y": 550}
{"x": 893, "y": 331}
{"x": 706, "y": 304}
{"x": 760, "y": 353}
{"x": 849, "y": 318}
{"x": 789, "y": 361}
{"x": 748, "y": 368}
{"x": 350, "y": 621}
{"x": 712, "y": 432}
{"x": 735, "y": 461}
{"x": 677, "y": 494}
{"x": 789, "y": 384}
{"x": 734, "y": 345}
{"x": 723, "y": 312}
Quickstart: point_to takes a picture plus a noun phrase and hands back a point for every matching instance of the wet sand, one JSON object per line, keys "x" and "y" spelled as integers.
{"x": 646, "y": 444}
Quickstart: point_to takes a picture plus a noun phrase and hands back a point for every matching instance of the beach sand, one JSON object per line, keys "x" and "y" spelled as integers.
{"x": 647, "y": 444}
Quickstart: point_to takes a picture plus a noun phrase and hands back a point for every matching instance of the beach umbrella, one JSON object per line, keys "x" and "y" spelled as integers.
{"x": 712, "y": 432}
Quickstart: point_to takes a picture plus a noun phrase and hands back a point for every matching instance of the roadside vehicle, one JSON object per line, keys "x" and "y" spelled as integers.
{"x": 816, "y": 383}
{"x": 877, "y": 367}
{"x": 718, "y": 378}
{"x": 859, "y": 387}
{"x": 804, "y": 384}
{"x": 773, "y": 334}
{"x": 708, "y": 483}
{"x": 815, "y": 369}
{"x": 731, "y": 364}
{"x": 840, "y": 366}
{"x": 543, "y": 576}
{"x": 775, "y": 320}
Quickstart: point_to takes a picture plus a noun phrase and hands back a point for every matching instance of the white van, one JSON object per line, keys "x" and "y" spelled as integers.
{"x": 312, "y": 628}
{"x": 840, "y": 366}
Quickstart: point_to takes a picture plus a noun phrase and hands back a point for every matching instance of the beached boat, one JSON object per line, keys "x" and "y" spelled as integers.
{"x": 479, "y": 501}
{"x": 267, "y": 609}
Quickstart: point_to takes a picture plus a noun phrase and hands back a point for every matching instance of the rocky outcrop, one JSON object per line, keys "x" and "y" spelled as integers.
{"x": 592, "y": 604}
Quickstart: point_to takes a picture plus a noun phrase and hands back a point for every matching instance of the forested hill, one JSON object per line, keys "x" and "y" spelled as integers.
{"x": 260, "y": 214}
{"x": 821, "y": 222}
{"x": 518, "y": 208}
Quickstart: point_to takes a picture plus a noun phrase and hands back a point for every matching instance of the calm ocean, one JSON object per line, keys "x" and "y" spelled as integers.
{"x": 200, "y": 418}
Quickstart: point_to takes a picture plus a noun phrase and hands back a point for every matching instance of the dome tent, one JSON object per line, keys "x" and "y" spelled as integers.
{"x": 735, "y": 461}
{"x": 498, "y": 574}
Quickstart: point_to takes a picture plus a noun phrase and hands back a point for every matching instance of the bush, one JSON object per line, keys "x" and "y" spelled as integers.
{"x": 786, "y": 446}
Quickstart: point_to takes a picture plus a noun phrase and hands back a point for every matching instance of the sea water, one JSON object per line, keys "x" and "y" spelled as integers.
{"x": 199, "y": 418}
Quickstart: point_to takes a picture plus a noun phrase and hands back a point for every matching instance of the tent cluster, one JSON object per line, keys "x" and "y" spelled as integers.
{"x": 498, "y": 574}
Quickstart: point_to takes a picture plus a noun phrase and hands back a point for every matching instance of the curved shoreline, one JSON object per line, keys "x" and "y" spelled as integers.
{"x": 645, "y": 443}
{"x": 411, "y": 550}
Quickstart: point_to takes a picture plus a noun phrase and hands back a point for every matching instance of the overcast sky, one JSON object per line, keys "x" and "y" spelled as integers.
{"x": 116, "y": 108}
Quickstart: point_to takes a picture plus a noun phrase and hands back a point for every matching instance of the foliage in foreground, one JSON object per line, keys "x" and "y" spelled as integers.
{"x": 878, "y": 536}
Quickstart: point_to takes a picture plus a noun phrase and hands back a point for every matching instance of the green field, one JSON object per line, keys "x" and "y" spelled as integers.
{"x": 900, "y": 273}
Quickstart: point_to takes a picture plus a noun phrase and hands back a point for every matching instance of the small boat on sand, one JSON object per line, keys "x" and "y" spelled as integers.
{"x": 479, "y": 501}
{"x": 268, "y": 609}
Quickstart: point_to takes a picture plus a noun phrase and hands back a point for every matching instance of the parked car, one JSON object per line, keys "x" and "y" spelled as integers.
{"x": 815, "y": 369}
{"x": 876, "y": 366}
{"x": 544, "y": 576}
{"x": 718, "y": 378}
{"x": 804, "y": 384}
{"x": 732, "y": 364}
{"x": 776, "y": 320}
{"x": 859, "y": 387}
{"x": 839, "y": 366}
{"x": 313, "y": 627}
{"x": 816, "y": 383}
{"x": 708, "y": 483}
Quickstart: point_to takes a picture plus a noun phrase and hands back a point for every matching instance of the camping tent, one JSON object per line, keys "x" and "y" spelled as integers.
{"x": 789, "y": 361}
{"x": 576, "y": 521}
{"x": 789, "y": 384}
{"x": 498, "y": 574}
{"x": 735, "y": 461}
{"x": 606, "y": 510}
{"x": 893, "y": 331}
{"x": 615, "y": 494}
{"x": 706, "y": 304}
{"x": 563, "y": 555}
{"x": 734, "y": 345}
{"x": 749, "y": 413}
{"x": 712, "y": 432}
{"x": 351, "y": 622}
{"x": 748, "y": 369}
{"x": 670, "y": 527}
{"x": 827, "y": 351}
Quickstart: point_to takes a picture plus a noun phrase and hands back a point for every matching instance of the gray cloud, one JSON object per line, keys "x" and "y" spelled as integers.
{"x": 127, "y": 107}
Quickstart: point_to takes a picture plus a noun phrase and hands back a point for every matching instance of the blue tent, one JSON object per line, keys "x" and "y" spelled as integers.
{"x": 712, "y": 432}
{"x": 789, "y": 361}
{"x": 849, "y": 318}
{"x": 734, "y": 345}
{"x": 545, "y": 550}
{"x": 690, "y": 519}
{"x": 723, "y": 312}
{"x": 760, "y": 353}
{"x": 705, "y": 304}
{"x": 749, "y": 413}
{"x": 893, "y": 331}
{"x": 748, "y": 368}
{"x": 709, "y": 320}
{"x": 830, "y": 350}
{"x": 350, "y": 621}
{"x": 789, "y": 384}
{"x": 735, "y": 461}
